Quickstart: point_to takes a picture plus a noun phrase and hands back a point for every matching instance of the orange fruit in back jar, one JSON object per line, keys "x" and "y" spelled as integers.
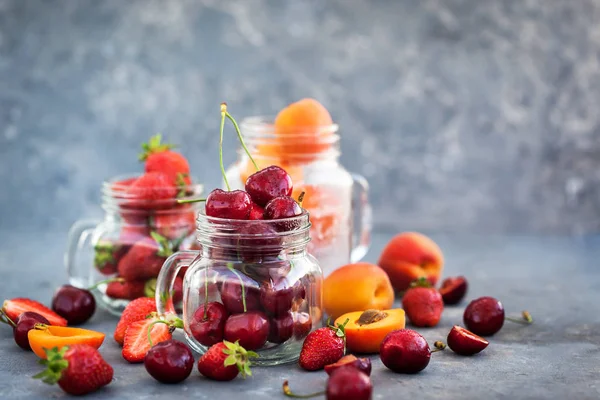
{"x": 304, "y": 130}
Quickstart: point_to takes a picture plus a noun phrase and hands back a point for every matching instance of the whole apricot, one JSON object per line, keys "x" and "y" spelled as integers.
{"x": 357, "y": 287}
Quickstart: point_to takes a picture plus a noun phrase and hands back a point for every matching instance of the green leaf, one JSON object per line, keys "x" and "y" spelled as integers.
{"x": 154, "y": 145}
{"x": 55, "y": 364}
{"x": 229, "y": 361}
{"x": 252, "y": 354}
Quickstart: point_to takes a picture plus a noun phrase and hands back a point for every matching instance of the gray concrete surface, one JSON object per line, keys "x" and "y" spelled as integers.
{"x": 557, "y": 279}
{"x": 464, "y": 115}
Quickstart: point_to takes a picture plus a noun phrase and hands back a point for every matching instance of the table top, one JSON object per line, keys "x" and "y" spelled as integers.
{"x": 556, "y": 278}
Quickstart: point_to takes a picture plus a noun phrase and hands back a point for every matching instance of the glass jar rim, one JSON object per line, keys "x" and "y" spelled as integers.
{"x": 115, "y": 195}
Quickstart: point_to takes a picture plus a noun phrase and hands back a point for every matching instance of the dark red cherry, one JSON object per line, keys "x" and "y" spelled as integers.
{"x": 405, "y": 351}
{"x": 74, "y": 304}
{"x": 281, "y": 328}
{"x": 350, "y": 361}
{"x": 276, "y": 297}
{"x": 208, "y": 329}
{"x": 229, "y": 205}
{"x": 282, "y": 208}
{"x": 302, "y": 325}
{"x": 484, "y": 316}
{"x": 268, "y": 183}
{"x": 257, "y": 241}
{"x": 349, "y": 384}
{"x": 256, "y": 212}
{"x": 170, "y": 361}
{"x": 25, "y": 323}
{"x": 453, "y": 289}
{"x": 464, "y": 342}
{"x": 232, "y": 298}
{"x": 251, "y": 329}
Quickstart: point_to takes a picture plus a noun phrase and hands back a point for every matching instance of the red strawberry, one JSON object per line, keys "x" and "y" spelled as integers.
{"x": 125, "y": 290}
{"x": 107, "y": 255}
{"x": 174, "y": 224}
{"x": 323, "y": 347}
{"x": 123, "y": 185}
{"x": 136, "y": 310}
{"x": 137, "y": 343}
{"x": 423, "y": 304}
{"x": 145, "y": 258}
{"x": 15, "y": 307}
{"x": 78, "y": 369}
{"x": 159, "y": 158}
{"x": 225, "y": 360}
{"x": 151, "y": 190}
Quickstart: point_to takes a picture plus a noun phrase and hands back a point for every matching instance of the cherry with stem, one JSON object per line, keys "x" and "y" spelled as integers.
{"x": 230, "y": 267}
{"x": 225, "y": 113}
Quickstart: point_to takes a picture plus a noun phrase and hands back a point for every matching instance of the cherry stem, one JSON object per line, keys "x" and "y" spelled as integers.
{"x": 223, "y": 114}
{"x": 439, "y": 346}
{"x": 527, "y": 319}
{"x": 205, "y": 294}
{"x": 288, "y": 392}
{"x": 6, "y": 319}
{"x": 94, "y": 286}
{"x": 239, "y": 133}
{"x": 301, "y": 198}
{"x": 186, "y": 201}
{"x": 230, "y": 267}
{"x": 160, "y": 321}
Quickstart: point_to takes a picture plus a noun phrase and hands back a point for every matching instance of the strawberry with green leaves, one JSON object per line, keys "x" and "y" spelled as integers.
{"x": 423, "y": 303}
{"x": 323, "y": 347}
{"x": 225, "y": 360}
{"x": 107, "y": 254}
{"x": 141, "y": 335}
{"x": 153, "y": 190}
{"x": 78, "y": 369}
{"x": 136, "y": 310}
{"x": 159, "y": 157}
{"x": 145, "y": 258}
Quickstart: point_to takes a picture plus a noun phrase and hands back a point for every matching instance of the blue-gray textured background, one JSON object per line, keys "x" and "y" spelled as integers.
{"x": 465, "y": 115}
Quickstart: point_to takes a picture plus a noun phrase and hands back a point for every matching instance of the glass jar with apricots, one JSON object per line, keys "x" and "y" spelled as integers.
{"x": 303, "y": 140}
{"x": 121, "y": 255}
{"x": 252, "y": 282}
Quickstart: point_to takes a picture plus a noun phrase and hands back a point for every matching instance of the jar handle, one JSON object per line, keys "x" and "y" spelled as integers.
{"x": 361, "y": 218}
{"x": 166, "y": 279}
{"x": 79, "y": 237}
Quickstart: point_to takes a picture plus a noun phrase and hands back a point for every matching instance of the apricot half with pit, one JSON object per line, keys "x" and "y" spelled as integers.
{"x": 366, "y": 330}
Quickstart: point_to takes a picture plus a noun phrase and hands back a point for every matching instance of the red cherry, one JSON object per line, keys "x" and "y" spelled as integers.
{"x": 276, "y": 298}
{"x": 229, "y": 205}
{"x": 484, "y": 316}
{"x": 302, "y": 325}
{"x": 349, "y": 384}
{"x": 251, "y": 329}
{"x": 233, "y": 299}
{"x": 268, "y": 183}
{"x": 209, "y": 329}
{"x": 25, "y": 323}
{"x": 405, "y": 351}
{"x": 453, "y": 289}
{"x": 170, "y": 361}
{"x": 74, "y": 304}
{"x": 465, "y": 343}
{"x": 350, "y": 361}
{"x": 280, "y": 208}
{"x": 281, "y": 328}
{"x": 257, "y": 241}
{"x": 256, "y": 212}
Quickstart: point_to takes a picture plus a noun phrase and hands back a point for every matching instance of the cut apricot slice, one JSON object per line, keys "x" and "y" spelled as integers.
{"x": 44, "y": 337}
{"x": 366, "y": 329}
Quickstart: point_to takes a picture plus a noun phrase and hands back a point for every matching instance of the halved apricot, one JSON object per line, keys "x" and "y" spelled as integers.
{"x": 366, "y": 329}
{"x": 47, "y": 337}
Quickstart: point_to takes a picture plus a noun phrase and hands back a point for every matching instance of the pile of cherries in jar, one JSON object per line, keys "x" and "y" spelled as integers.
{"x": 260, "y": 300}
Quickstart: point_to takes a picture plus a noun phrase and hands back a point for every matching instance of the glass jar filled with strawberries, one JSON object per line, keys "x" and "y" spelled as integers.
{"x": 143, "y": 224}
{"x": 304, "y": 141}
{"x": 254, "y": 282}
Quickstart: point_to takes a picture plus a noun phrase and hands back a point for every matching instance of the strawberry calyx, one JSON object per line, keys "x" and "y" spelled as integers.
{"x": 340, "y": 329}
{"x": 421, "y": 282}
{"x": 104, "y": 254}
{"x": 238, "y": 356}
{"x": 165, "y": 246}
{"x": 154, "y": 145}
{"x": 181, "y": 184}
{"x": 55, "y": 363}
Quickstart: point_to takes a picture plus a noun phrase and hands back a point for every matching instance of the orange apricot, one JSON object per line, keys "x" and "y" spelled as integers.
{"x": 409, "y": 256}
{"x": 366, "y": 330}
{"x": 303, "y": 129}
{"x": 357, "y": 287}
{"x": 47, "y": 337}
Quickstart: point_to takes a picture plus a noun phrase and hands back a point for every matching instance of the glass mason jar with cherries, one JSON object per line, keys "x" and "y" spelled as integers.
{"x": 252, "y": 282}
{"x": 129, "y": 246}
{"x": 336, "y": 199}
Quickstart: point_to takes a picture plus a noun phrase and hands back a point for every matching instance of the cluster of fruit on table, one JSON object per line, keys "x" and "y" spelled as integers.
{"x": 364, "y": 322}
